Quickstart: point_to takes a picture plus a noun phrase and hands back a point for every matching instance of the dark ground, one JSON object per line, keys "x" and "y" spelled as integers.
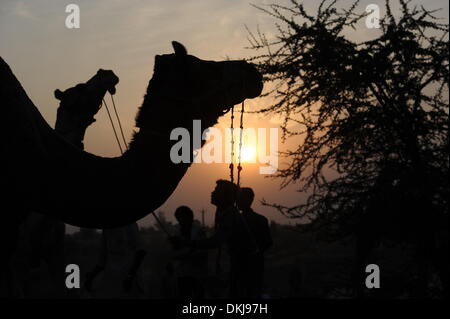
{"x": 297, "y": 266}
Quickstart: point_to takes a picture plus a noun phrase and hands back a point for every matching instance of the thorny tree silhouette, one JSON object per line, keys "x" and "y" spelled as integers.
{"x": 371, "y": 118}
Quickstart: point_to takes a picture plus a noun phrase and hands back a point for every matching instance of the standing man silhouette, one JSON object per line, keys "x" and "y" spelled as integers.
{"x": 228, "y": 228}
{"x": 251, "y": 268}
{"x": 191, "y": 265}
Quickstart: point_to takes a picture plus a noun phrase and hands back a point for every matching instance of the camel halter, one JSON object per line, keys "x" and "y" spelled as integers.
{"x": 239, "y": 166}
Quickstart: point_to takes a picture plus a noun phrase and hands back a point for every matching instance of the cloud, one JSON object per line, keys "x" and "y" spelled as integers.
{"x": 23, "y": 10}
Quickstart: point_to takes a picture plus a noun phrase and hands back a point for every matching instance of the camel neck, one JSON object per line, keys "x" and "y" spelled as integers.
{"x": 158, "y": 117}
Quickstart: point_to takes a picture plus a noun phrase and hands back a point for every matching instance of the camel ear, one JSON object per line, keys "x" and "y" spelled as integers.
{"x": 179, "y": 49}
{"x": 58, "y": 94}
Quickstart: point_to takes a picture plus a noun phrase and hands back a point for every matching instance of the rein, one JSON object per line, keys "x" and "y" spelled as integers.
{"x": 112, "y": 124}
{"x": 118, "y": 120}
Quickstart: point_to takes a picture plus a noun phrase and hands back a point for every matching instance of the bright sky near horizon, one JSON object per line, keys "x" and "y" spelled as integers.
{"x": 124, "y": 36}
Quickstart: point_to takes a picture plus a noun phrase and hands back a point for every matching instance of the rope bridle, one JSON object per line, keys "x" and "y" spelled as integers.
{"x": 241, "y": 126}
{"x": 113, "y": 126}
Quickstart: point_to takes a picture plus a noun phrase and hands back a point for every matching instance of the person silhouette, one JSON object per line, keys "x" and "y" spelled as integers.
{"x": 229, "y": 232}
{"x": 251, "y": 270}
{"x": 190, "y": 265}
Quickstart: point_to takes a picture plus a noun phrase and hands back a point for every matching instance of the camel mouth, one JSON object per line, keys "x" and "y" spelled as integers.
{"x": 112, "y": 82}
{"x": 250, "y": 87}
{"x": 255, "y": 90}
{"x": 250, "y": 84}
{"x": 112, "y": 90}
{"x": 254, "y": 83}
{"x": 227, "y": 109}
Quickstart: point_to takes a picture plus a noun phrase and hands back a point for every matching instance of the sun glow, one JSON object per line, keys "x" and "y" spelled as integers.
{"x": 248, "y": 153}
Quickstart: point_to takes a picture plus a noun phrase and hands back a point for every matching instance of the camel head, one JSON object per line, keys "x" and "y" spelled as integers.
{"x": 190, "y": 88}
{"x": 81, "y": 102}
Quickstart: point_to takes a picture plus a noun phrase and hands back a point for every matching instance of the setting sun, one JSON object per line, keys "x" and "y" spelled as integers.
{"x": 248, "y": 153}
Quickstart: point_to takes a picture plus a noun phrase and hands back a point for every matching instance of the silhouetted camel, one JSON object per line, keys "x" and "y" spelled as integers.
{"x": 45, "y": 173}
{"x": 42, "y": 237}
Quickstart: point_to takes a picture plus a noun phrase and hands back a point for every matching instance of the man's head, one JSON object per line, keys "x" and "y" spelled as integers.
{"x": 224, "y": 194}
{"x": 245, "y": 198}
{"x": 184, "y": 215}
